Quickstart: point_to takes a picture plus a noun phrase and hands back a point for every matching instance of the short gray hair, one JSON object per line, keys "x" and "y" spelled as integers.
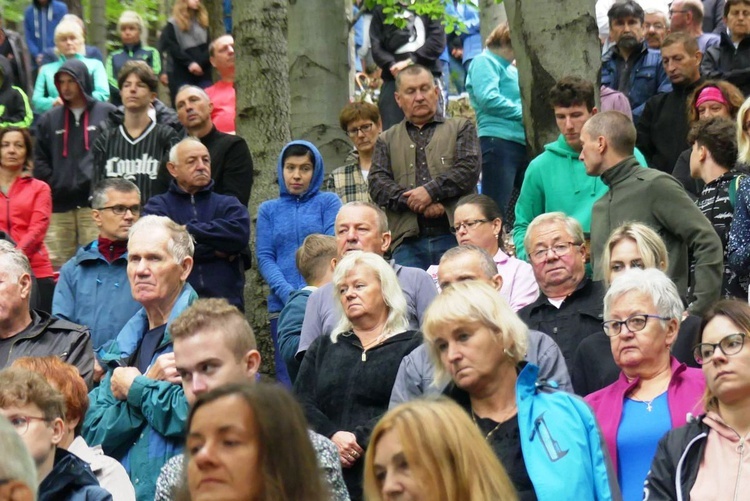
{"x": 173, "y": 150}
{"x": 382, "y": 216}
{"x": 486, "y": 262}
{"x": 180, "y": 244}
{"x": 13, "y": 261}
{"x": 393, "y": 296}
{"x": 15, "y": 462}
{"x": 572, "y": 226}
{"x": 650, "y": 282}
{"x": 655, "y": 10}
{"x": 197, "y": 89}
{"x": 99, "y": 198}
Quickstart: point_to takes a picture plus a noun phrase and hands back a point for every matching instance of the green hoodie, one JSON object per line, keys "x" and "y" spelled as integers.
{"x": 557, "y": 181}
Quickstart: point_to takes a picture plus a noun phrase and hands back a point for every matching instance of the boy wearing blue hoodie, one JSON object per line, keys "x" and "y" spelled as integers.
{"x": 283, "y": 224}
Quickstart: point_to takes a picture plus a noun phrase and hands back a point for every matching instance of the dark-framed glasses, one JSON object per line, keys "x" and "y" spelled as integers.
{"x": 469, "y": 225}
{"x": 364, "y": 129}
{"x": 634, "y": 323}
{"x": 120, "y": 210}
{"x": 729, "y": 345}
{"x": 559, "y": 249}
{"x": 21, "y": 423}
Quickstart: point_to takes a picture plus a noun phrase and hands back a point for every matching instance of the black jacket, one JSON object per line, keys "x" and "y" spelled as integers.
{"x": 15, "y": 109}
{"x": 386, "y": 39}
{"x": 578, "y": 316}
{"x": 683, "y": 446}
{"x": 340, "y": 391}
{"x": 663, "y": 127}
{"x": 48, "y": 335}
{"x": 63, "y": 154}
{"x": 71, "y": 479}
{"x": 594, "y": 367}
{"x": 724, "y": 62}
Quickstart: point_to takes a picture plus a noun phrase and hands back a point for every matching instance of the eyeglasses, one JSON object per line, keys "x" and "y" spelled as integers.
{"x": 469, "y": 225}
{"x": 364, "y": 129}
{"x": 729, "y": 345}
{"x": 671, "y": 11}
{"x": 21, "y": 423}
{"x": 120, "y": 210}
{"x": 634, "y": 323}
{"x": 559, "y": 249}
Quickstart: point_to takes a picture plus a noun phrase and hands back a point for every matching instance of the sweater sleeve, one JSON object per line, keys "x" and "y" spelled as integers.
{"x": 39, "y": 222}
{"x": 483, "y": 86}
{"x": 675, "y": 211}
{"x": 18, "y": 113}
{"x": 266, "y": 252}
{"x": 434, "y": 42}
{"x": 305, "y": 387}
{"x": 99, "y": 77}
{"x": 41, "y": 99}
{"x": 529, "y": 205}
{"x": 330, "y": 210}
{"x": 228, "y": 231}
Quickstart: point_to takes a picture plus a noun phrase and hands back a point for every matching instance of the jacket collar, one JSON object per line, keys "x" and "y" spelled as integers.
{"x": 175, "y": 188}
{"x": 91, "y": 253}
{"x": 620, "y": 171}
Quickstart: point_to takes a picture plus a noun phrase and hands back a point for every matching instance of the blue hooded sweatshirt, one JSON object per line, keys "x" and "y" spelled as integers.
{"x": 283, "y": 224}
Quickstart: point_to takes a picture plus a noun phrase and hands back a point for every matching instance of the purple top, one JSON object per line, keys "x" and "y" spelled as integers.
{"x": 683, "y": 396}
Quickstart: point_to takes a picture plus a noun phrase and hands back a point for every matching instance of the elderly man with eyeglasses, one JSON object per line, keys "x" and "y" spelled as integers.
{"x": 93, "y": 286}
{"x": 569, "y": 306}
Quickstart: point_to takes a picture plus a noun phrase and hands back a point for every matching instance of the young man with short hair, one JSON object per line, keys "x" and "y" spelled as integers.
{"x": 36, "y": 411}
{"x": 137, "y": 148}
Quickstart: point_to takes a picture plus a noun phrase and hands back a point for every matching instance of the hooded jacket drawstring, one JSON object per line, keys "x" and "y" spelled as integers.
{"x": 85, "y": 131}
{"x": 37, "y": 26}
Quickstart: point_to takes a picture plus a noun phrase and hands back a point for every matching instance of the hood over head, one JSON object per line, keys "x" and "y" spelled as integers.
{"x": 318, "y": 171}
{"x": 80, "y": 73}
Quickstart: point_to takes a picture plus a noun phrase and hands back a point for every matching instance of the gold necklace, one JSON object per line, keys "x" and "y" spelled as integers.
{"x": 377, "y": 341}
{"x": 493, "y": 430}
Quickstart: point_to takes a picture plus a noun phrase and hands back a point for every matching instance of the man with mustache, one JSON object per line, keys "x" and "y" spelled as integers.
{"x": 219, "y": 224}
{"x": 631, "y": 57}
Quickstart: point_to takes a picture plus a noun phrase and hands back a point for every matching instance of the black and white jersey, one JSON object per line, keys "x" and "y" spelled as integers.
{"x": 141, "y": 160}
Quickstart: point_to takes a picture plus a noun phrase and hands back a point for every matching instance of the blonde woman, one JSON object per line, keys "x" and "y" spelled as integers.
{"x": 547, "y": 440}
{"x": 346, "y": 378}
{"x": 69, "y": 43}
{"x": 185, "y": 40}
{"x": 430, "y": 450}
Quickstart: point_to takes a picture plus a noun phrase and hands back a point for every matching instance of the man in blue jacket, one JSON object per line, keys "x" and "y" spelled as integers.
{"x": 630, "y": 66}
{"x": 220, "y": 224}
{"x": 93, "y": 287}
{"x": 39, "y": 23}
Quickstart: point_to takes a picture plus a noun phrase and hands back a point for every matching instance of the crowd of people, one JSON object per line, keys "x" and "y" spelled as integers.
{"x": 574, "y": 331}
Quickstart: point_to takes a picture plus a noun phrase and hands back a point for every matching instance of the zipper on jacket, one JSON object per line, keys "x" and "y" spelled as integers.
{"x": 741, "y": 451}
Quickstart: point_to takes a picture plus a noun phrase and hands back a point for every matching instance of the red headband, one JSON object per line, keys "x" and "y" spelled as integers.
{"x": 711, "y": 94}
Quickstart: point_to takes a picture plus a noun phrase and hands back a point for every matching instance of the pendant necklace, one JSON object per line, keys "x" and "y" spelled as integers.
{"x": 375, "y": 342}
{"x": 493, "y": 430}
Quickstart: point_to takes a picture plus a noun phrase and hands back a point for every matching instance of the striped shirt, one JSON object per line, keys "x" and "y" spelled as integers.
{"x": 141, "y": 160}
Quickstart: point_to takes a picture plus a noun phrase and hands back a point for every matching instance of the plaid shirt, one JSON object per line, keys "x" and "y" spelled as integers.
{"x": 348, "y": 183}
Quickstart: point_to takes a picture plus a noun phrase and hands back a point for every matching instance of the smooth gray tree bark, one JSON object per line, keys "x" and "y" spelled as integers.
{"x": 552, "y": 39}
{"x": 491, "y": 14}
{"x": 262, "y": 85}
{"x": 319, "y": 76}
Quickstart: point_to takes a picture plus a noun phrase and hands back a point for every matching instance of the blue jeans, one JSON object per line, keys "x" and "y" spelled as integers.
{"x": 503, "y": 165}
{"x": 282, "y": 376}
{"x": 423, "y": 252}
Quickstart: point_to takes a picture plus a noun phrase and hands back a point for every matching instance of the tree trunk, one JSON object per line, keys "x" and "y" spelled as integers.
{"x": 262, "y": 85}
{"x": 75, "y": 7}
{"x": 491, "y": 14}
{"x": 97, "y": 34}
{"x": 319, "y": 77}
{"x": 215, "y": 18}
{"x": 562, "y": 40}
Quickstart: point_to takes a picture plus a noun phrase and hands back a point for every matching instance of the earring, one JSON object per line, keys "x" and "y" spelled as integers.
{"x": 507, "y": 353}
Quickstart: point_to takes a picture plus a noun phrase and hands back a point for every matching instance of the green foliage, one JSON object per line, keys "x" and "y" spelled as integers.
{"x": 435, "y": 9}
{"x": 149, "y": 10}
{"x": 13, "y": 10}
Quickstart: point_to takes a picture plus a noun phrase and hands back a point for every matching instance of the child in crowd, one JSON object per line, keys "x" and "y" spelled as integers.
{"x": 315, "y": 264}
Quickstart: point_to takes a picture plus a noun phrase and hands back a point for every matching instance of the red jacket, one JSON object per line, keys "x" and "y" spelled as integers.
{"x": 25, "y": 213}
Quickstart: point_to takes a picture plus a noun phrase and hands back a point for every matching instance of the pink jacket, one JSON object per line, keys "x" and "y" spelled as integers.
{"x": 683, "y": 396}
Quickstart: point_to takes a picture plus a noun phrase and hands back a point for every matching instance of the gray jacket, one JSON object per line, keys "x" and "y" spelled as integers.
{"x": 48, "y": 335}
{"x": 416, "y": 374}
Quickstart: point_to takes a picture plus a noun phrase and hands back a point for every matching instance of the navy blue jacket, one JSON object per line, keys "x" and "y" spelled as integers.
{"x": 71, "y": 479}
{"x": 647, "y": 79}
{"x": 220, "y": 225}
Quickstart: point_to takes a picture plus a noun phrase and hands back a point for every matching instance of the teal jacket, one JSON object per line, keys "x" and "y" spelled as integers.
{"x": 149, "y": 428}
{"x": 45, "y": 91}
{"x": 557, "y": 181}
{"x": 493, "y": 88}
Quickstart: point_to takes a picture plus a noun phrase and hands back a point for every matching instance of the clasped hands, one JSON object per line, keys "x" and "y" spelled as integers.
{"x": 419, "y": 200}
{"x": 163, "y": 369}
